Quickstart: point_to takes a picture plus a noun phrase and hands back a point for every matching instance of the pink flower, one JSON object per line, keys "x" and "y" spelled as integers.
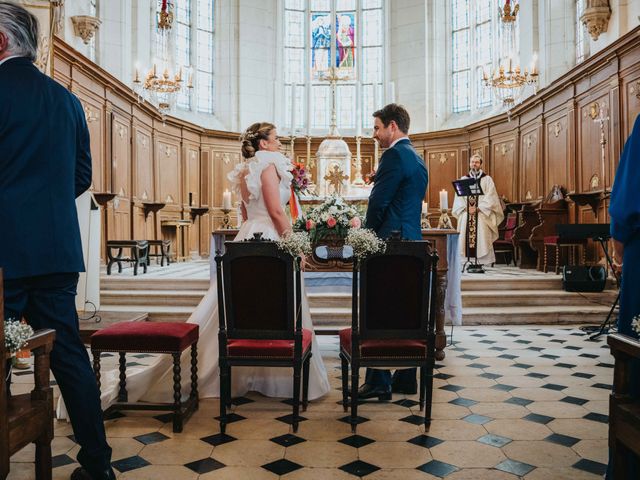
{"x": 310, "y": 224}
{"x": 355, "y": 222}
{"x": 331, "y": 222}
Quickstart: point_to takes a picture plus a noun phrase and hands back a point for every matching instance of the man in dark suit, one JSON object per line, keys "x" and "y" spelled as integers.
{"x": 395, "y": 204}
{"x": 46, "y": 163}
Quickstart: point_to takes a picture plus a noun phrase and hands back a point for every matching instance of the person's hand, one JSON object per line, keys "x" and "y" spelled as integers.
{"x": 472, "y": 210}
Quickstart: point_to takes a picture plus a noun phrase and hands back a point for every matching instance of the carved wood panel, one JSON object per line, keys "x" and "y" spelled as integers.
{"x": 593, "y": 153}
{"x": 224, "y": 161}
{"x": 191, "y": 195}
{"x": 95, "y": 123}
{"x": 120, "y": 158}
{"x": 167, "y": 168}
{"x": 504, "y": 171}
{"x": 631, "y": 102}
{"x": 143, "y": 186}
{"x": 530, "y": 165}
{"x": 442, "y": 166}
{"x": 557, "y": 160}
{"x": 205, "y": 168}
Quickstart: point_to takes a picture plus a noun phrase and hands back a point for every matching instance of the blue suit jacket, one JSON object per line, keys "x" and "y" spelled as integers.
{"x": 400, "y": 184}
{"x": 45, "y": 163}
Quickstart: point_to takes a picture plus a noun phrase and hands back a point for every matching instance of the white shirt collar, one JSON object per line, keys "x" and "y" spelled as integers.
{"x": 397, "y": 140}
{"x": 8, "y": 58}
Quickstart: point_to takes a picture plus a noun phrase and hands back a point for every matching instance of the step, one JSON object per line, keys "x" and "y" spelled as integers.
{"x": 156, "y": 313}
{"x": 481, "y": 282}
{"x": 539, "y": 315}
{"x": 177, "y": 298}
{"x": 331, "y": 316}
{"x": 139, "y": 283}
{"x": 329, "y": 300}
{"x": 515, "y": 298}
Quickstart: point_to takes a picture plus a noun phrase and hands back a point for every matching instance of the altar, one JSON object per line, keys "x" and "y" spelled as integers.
{"x": 449, "y": 297}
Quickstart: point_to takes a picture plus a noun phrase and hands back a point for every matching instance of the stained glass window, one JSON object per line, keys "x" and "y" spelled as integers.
{"x": 347, "y": 35}
{"x": 194, "y": 39}
{"x": 473, "y": 25}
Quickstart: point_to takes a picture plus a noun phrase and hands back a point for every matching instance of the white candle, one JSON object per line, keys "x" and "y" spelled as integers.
{"x": 425, "y": 208}
{"x": 226, "y": 200}
{"x": 444, "y": 200}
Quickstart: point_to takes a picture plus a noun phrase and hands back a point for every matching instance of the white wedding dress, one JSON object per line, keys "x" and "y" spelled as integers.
{"x": 154, "y": 383}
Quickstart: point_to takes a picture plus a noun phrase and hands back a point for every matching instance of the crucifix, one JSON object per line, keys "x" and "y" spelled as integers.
{"x": 336, "y": 177}
{"x": 333, "y": 76}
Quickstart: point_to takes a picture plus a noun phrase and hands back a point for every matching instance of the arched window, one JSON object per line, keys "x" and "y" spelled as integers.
{"x": 347, "y": 35}
{"x": 474, "y": 29}
{"x": 194, "y": 35}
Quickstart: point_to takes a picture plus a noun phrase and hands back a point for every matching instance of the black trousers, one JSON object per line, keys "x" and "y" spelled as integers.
{"x": 48, "y": 301}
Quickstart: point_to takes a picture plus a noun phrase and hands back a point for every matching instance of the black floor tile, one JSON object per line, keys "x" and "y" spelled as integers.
{"x": 498, "y": 349}
{"x": 524, "y": 342}
{"x": 490, "y": 376}
{"x": 413, "y": 419}
{"x": 241, "y": 401}
{"x": 356, "y": 441}
{"x": 604, "y": 386}
{"x": 522, "y": 365}
{"x": 442, "y": 376}
{"x": 205, "y": 465}
{"x": 61, "y": 461}
{"x": 478, "y": 365}
{"x": 565, "y": 440}
{"x": 218, "y": 439}
{"x": 582, "y": 375}
{"x": 488, "y": 342}
{"x": 289, "y": 419}
{"x": 452, "y": 388}
{"x": 564, "y": 365}
{"x": 535, "y": 349}
{"x": 164, "y": 418}
{"x": 358, "y": 420}
{"x": 516, "y": 468}
{"x": 463, "y": 402}
{"x": 556, "y": 340}
{"x": 554, "y": 386}
{"x": 282, "y": 467}
{"x": 537, "y": 418}
{"x": 406, "y": 402}
{"x": 588, "y": 355}
{"x": 574, "y": 400}
{"x": 287, "y": 440}
{"x": 466, "y": 356}
{"x": 605, "y": 365}
{"x": 149, "y": 438}
{"x": 597, "y": 417}
{"x": 437, "y": 468}
{"x": 507, "y": 356}
{"x": 425, "y": 441}
{"x": 552, "y": 357}
{"x": 130, "y": 463}
{"x": 523, "y": 402}
{"x": 494, "y": 440}
{"x": 503, "y": 387}
{"x": 572, "y": 347}
{"x": 590, "y": 466}
{"x": 359, "y": 468}
{"x": 477, "y": 335}
{"x": 233, "y": 417}
{"x": 477, "y": 419}
{"x": 543, "y": 334}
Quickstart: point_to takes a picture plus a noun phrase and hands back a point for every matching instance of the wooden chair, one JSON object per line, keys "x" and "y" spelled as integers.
{"x": 27, "y": 418}
{"x": 138, "y": 254}
{"x": 504, "y": 244}
{"x": 624, "y": 409}
{"x": 392, "y": 327}
{"x": 259, "y": 303}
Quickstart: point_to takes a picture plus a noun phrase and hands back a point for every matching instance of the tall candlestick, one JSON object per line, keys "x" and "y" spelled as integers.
{"x": 375, "y": 154}
{"x": 444, "y": 200}
{"x": 425, "y": 208}
{"x": 226, "y": 200}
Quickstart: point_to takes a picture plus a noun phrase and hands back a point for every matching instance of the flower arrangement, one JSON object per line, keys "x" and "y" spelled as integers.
{"x": 300, "y": 182}
{"x": 334, "y": 216}
{"x": 370, "y": 177}
{"x": 16, "y": 335}
{"x": 295, "y": 244}
{"x": 635, "y": 324}
{"x": 364, "y": 242}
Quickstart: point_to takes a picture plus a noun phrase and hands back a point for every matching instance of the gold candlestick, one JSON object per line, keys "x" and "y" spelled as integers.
{"x": 444, "y": 222}
{"x": 226, "y": 220}
{"x": 425, "y": 221}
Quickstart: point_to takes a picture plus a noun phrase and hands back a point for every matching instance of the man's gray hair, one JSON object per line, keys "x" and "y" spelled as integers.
{"x": 21, "y": 28}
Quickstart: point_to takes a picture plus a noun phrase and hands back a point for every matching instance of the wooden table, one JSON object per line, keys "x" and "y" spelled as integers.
{"x": 181, "y": 228}
{"x": 438, "y": 239}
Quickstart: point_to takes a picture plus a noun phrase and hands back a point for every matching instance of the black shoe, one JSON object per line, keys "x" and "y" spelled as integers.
{"x": 81, "y": 473}
{"x": 406, "y": 388}
{"x": 367, "y": 391}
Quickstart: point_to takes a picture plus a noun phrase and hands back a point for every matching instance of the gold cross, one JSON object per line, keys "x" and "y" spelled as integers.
{"x": 335, "y": 178}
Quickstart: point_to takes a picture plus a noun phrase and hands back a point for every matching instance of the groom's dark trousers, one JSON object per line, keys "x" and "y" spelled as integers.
{"x": 395, "y": 204}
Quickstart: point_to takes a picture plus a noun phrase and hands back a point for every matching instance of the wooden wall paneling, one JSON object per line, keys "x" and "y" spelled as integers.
{"x": 530, "y": 174}
{"x": 591, "y": 156}
{"x": 504, "y": 170}
{"x": 614, "y": 132}
{"x": 225, "y": 158}
{"x": 205, "y": 169}
{"x": 442, "y": 165}
{"x": 167, "y": 169}
{"x": 557, "y": 152}
{"x": 121, "y": 176}
{"x": 630, "y": 102}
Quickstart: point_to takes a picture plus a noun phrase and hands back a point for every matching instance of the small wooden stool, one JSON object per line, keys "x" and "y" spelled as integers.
{"x": 160, "y": 249}
{"x": 151, "y": 337}
{"x": 138, "y": 248}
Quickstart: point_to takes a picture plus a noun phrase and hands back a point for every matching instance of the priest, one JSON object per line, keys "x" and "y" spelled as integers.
{"x": 487, "y": 213}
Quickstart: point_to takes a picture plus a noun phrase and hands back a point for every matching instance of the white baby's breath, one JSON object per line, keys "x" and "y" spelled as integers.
{"x": 295, "y": 244}
{"x": 16, "y": 335}
{"x": 364, "y": 242}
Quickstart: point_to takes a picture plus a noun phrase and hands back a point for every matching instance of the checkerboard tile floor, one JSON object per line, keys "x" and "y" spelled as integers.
{"x": 509, "y": 402}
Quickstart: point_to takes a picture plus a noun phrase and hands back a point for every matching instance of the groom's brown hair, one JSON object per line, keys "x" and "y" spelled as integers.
{"x": 396, "y": 113}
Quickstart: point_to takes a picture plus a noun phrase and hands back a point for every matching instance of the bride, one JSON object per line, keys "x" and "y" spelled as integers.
{"x": 264, "y": 183}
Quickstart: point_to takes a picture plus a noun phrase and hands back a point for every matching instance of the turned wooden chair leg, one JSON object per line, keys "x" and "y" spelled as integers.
{"x": 177, "y": 394}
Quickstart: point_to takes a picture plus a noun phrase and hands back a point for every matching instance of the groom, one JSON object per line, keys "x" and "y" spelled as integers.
{"x": 394, "y": 205}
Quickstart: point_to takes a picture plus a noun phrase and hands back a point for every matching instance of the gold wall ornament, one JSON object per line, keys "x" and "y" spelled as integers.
{"x": 528, "y": 196}
{"x": 443, "y": 158}
{"x": 121, "y": 193}
{"x": 42, "y": 56}
{"x": 145, "y": 195}
{"x": 226, "y": 158}
{"x": 169, "y": 199}
{"x": 594, "y": 182}
{"x": 85, "y": 27}
{"x": 90, "y": 114}
{"x": 594, "y": 110}
{"x": 595, "y": 17}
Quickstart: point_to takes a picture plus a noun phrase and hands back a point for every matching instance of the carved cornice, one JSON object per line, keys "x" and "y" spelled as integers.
{"x": 596, "y": 17}
{"x": 85, "y": 26}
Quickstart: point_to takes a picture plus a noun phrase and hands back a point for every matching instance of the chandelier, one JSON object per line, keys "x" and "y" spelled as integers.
{"x": 161, "y": 89}
{"x": 507, "y": 80}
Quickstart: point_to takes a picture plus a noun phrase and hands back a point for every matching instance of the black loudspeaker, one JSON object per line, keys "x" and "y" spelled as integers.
{"x": 583, "y": 278}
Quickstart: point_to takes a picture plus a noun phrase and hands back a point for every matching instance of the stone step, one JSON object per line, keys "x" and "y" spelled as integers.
{"x": 331, "y": 317}
{"x": 139, "y": 283}
{"x": 482, "y": 282}
{"x": 555, "y": 314}
{"x": 516, "y": 298}
{"x": 156, "y": 313}
{"x": 177, "y": 298}
{"x": 329, "y": 300}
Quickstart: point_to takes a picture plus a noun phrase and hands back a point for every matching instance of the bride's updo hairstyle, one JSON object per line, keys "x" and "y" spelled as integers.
{"x": 252, "y": 136}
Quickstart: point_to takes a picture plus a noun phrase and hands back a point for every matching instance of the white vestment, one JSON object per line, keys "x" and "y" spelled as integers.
{"x": 490, "y": 215}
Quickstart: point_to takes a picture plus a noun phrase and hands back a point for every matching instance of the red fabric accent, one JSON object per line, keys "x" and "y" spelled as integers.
{"x": 247, "y": 347}
{"x": 510, "y": 227}
{"x": 146, "y": 337}
{"x": 551, "y": 239}
{"x": 385, "y": 347}
{"x": 556, "y": 240}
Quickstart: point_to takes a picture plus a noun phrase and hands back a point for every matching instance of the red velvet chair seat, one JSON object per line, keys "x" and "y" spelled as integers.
{"x": 247, "y": 347}
{"x": 505, "y": 243}
{"x": 386, "y": 348}
{"x": 153, "y": 337}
